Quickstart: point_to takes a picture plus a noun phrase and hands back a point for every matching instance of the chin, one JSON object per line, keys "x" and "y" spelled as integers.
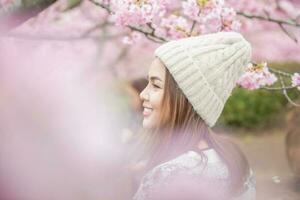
{"x": 147, "y": 124}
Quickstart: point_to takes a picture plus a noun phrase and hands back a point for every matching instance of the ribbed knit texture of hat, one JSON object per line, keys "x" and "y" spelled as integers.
{"x": 206, "y": 69}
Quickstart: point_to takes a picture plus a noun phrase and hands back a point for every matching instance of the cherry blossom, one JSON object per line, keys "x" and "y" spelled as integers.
{"x": 136, "y": 12}
{"x": 174, "y": 19}
{"x": 211, "y": 16}
{"x": 132, "y": 38}
{"x": 190, "y": 9}
{"x": 174, "y": 27}
{"x": 257, "y": 76}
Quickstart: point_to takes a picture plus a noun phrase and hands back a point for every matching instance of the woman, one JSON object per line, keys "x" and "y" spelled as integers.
{"x": 189, "y": 82}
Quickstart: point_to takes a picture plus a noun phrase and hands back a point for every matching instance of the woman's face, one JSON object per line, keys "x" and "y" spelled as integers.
{"x": 152, "y": 95}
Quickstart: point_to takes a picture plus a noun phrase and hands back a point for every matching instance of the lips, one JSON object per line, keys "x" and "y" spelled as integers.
{"x": 147, "y": 111}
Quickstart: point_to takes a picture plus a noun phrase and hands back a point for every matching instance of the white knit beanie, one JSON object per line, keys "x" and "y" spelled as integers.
{"x": 206, "y": 69}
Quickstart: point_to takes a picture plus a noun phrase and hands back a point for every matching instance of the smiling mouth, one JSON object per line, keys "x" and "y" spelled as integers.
{"x": 147, "y": 111}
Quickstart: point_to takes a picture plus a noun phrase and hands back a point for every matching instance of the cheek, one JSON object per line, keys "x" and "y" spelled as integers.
{"x": 156, "y": 103}
{"x": 157, "y": 108}
{"x": 156, "y": 100}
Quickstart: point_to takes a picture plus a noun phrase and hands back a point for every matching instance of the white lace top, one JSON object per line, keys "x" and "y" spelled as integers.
{"x": 194, "y": 179}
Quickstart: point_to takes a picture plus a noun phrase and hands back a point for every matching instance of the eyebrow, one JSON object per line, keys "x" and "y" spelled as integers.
{"x": 153, "y": 78}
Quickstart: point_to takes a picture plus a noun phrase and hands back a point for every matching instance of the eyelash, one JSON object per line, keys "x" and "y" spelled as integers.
{"x": 154, "y": 85}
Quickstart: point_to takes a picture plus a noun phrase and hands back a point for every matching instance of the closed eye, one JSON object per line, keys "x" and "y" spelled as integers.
{"x": 156, "y": 86}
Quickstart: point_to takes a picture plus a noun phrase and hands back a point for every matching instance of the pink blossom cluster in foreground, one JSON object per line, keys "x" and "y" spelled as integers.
{"x": 257, "y": 76}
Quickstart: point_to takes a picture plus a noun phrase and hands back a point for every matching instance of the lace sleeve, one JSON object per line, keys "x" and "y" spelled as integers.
{"x": 250, "y": 191}
{"x": 156, "y": 179}
{"x": 183, "y": 178}
{"x": 188, "y": 177}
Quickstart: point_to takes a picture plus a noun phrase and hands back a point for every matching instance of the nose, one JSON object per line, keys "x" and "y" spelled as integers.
{"x": 144, "y": 96}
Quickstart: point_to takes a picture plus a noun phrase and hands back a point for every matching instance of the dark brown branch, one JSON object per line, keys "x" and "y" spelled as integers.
{"x": 280, "y": 72}
{"x": 194, "y": 23}
{"x": 279, "y": 88}
{"x": 266, "y": 18}
{"x": 285, "y": 92}
{"x": 288, "y": 33}
{"x": 152, "y": 30}
{"x": 150, "y": 35}
{"x": 282, "y": 28}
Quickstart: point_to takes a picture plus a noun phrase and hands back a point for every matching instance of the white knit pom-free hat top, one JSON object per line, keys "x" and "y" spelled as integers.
{"x": 206, "y": 69}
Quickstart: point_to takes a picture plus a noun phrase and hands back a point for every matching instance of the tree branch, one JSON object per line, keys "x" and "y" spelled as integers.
{"x": 150, "y": 35}
{"x": 285, "y": 92}
{"x": 287, "y": 33}
{"x": 263, "y": 18}
{"x": 280, "y": 72}
{"x": 279, "y": 88}
{"x": 280, "y": 22}
{"x": 194, "y": 23}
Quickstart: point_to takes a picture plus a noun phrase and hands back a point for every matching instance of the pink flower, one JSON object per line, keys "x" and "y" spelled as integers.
{"x": 269, "y": 78}
{"x": 228, "y": 14}
{"x": 190, "y": 9}
{"x": 211, "y": 23}
{"x": 131, "y": 38}
{"x": 296, "y": 80}
{"x": 175, "y": 27}
{"x": 136, "y": 12}
{"x": 229, "y": 20}
{"x": 211, "y": 16}
{"x": 248, "y": 81}
{"x": 234, "y": 26}
{"x": 256, "y": 77}
{"x": 288, "y": 8}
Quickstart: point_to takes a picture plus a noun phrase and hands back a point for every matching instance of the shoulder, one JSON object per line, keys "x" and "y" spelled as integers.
{"x": 192, "y": 169}
{"x": 206, "y": 164}
{"x": 249, "y": 188}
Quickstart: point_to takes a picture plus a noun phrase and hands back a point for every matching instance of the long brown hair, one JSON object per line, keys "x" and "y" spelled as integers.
{"x": 184, "y": 129}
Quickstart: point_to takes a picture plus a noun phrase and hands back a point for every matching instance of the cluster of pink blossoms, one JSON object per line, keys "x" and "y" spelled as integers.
{"x": 296, "y": 80}
{"x": 136, "y": 12}
{"x": 174, "y": 27}
{"x": 131, "y": 38}
{"x": 211, "y": 15}
{"x": 257, "y": 76}
{"x": 190, "y": 17}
